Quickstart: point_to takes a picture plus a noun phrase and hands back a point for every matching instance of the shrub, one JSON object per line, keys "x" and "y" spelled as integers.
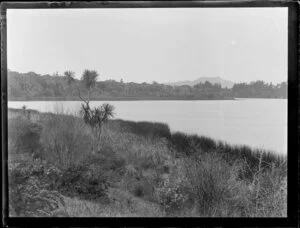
{"x": 232, "y": 153}
{"x": 23, "y": 136}
{"x": 66, "y": 140}
{"x": 221, "y": 189}
{"x": 208, "y": 176}
{"x": 139, "y": 191}
{"x": 171, "y": 197}
{"x": 30, "y": 188}
{"x": 106, "y": 162}
{"x": 191, "y": 144}
{"x": 205, "y": 143}
{"x": 28, "y": 199}
{"x": 143, "y": 128}
{"x": 269, "y": 191}
{"x": 181, "y": 142}
{"x": 143, "y": 189}
{"x": 83, "y": 182}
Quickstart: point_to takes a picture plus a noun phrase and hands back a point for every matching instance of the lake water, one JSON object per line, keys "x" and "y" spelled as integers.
{"x": 259, "y": 123}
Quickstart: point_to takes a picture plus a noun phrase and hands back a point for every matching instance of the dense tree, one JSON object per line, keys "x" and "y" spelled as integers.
{"x": 260, "y": 89}
{"x": 34, "y": 86}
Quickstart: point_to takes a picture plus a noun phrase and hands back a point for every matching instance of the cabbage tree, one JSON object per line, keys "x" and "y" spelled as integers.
{"x": 94, "y": 117}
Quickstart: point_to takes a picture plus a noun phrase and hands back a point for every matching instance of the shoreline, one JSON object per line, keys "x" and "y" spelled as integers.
{"x": 121, "y": 99}
{"x": 143, "y": 99}
{"x": 216, "y": 141}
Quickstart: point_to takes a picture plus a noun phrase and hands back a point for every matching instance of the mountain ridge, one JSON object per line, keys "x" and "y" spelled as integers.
{"x": 224, "y": 83}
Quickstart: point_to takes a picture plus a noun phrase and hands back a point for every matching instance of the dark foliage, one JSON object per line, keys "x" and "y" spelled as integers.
{"x": 24, "y": 136}
{"x": 259, "y": 89}
{"x": 189, "y": 144}
{"x": 33, "y": 86}
{"x": 193, "y": 144}
{"x": 232, "y": 153}
{"x": 89, "y": 78}
{"x": 144, "y": 128}
{"x": 32, "y": 185}
{"x": 97, "y": 116}
{"x": 82, "y": 182}
{"x": 181, "y": 142}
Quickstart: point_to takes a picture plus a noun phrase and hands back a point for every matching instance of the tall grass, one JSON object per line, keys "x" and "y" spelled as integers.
{"x": 143, "y": 128}
{"x": 219, "y": 190}
{"x": 23, "y": 136}
{"x": 66, "y": 140}
{"x": 208, "y": 177}
{"x": 186, "y": 145}
{"x": 141, "y": 169}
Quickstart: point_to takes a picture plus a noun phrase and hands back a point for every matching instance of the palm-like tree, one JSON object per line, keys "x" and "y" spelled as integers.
{"x": 70, "y": 76}
{"x": 89, "y": 78}
{"x": 98, "y": 116}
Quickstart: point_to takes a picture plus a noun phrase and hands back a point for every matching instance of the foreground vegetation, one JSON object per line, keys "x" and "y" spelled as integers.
{"x": 139, "y": 169}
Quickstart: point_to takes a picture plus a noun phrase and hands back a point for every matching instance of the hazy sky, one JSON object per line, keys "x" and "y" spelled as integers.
{"x": 145, "y": 45}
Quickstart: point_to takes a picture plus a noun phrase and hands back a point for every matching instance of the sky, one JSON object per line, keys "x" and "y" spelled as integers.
{"x": 151, "y": 44}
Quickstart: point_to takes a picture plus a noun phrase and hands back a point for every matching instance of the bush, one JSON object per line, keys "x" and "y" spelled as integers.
{"x": 106, "y": 162}
{"x": 143, "y": 189}
{"x": 232, "y": 153}
{"x": 221, "y": 189}
{"x": 181, "y": 142}
{"x": 83, "y": 182}
{"x": 205, "y": 143}
{"x": 66, "y": 140}
{"x": 23, "y": 136}
{"x": 191, "y": 144}
{"x": 208, "y": 177}
{"x": 143, "y": 128}
{"x": 29, "y": 199}
{"x": 31, "y": 193}
{"x": 269, "y": 191}
{"x": 172, "y": 198}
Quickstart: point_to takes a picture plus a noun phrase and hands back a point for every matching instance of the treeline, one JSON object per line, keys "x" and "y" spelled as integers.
{"x": 260, "y": 89}
{"x": 32, "y": 86}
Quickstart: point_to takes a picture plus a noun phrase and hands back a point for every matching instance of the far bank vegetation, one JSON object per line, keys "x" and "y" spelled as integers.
{"x": 32, "y": 86}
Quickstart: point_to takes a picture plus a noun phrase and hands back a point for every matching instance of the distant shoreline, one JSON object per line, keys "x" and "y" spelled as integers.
{"x": 116, "y": 99}
{"x": 139, "y": 99}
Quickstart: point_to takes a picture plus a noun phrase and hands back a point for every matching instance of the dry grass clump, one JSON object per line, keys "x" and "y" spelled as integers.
{"x": 122, "y": 204}
{"x": 208, "y": 177}
{"x": 145, "y": 161}
{"x": 220, "y": 190}
{"x": 269, "y": 187}
{"x": 66, "y": 140}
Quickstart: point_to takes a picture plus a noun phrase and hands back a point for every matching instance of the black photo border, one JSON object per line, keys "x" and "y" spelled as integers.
{"x": 293, "y": 125}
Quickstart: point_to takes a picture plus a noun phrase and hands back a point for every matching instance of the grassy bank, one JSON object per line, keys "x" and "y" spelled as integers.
{"x": 103, "y": 98}
{"x": 141, "y": 169}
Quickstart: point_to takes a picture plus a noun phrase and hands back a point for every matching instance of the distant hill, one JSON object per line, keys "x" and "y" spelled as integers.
{"x": 33, "y": 86}
{"x": 213, "y": 80}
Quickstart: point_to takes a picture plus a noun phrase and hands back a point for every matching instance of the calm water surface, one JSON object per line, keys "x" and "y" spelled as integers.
{"x": 260, "y": 123}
